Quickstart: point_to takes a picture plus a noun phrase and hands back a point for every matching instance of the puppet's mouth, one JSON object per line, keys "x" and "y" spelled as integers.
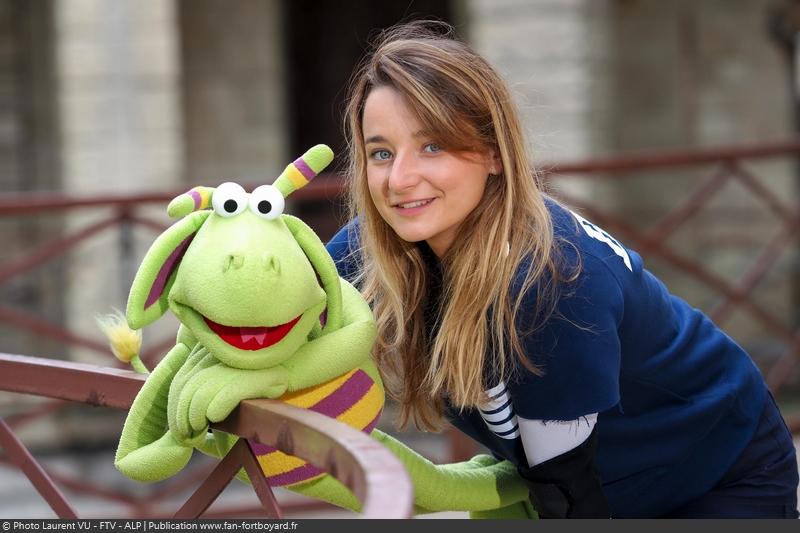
{"x": 251, "y": 338}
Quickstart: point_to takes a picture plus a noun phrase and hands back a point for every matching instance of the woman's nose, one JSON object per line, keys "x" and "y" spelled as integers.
{"x": 404, "y": 173}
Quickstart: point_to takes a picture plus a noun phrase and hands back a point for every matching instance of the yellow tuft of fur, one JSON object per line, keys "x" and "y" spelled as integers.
{"x": 124, "y": 341}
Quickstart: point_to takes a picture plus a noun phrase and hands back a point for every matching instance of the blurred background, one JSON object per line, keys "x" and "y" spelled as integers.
{"x": 671, "y": 124}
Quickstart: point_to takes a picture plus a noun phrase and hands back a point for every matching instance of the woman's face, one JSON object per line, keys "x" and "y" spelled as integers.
{"x": 420, "y": 189}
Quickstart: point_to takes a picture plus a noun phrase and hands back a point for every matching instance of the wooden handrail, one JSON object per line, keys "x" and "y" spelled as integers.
{"x": 65, "y": 380}
{"x": 370, "y": 471}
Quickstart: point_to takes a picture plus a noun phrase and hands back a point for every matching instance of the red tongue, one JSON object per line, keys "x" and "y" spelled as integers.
{"x": 251, "y": 338}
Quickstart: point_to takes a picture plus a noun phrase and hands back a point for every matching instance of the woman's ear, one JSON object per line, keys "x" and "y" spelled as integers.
{"x": 495, "y": 162}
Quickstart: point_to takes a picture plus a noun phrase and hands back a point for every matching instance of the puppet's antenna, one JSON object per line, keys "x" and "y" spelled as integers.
{"x": 297, "y": 175}
{"x": 195, "y": 199}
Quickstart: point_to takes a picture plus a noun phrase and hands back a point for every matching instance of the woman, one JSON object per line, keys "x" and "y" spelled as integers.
{"x": 526, "y": 326}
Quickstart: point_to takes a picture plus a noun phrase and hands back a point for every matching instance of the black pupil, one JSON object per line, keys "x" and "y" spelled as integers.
{"x": 230, "y": 206}
{"x": 264, "y": 206}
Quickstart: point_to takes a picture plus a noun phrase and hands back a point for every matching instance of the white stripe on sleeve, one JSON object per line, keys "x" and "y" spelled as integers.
{"x": 545, "y": 439}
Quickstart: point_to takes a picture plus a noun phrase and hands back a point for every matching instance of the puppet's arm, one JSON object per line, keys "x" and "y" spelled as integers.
{"x": 211, "y": 390}
{"x": 480, "y": 484}
{"x": 339, "y": 351}
{"x": 147, "y": 419}
{"x": 483, "y": 486}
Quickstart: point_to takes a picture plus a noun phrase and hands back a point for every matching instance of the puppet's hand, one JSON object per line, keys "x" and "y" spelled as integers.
{"x": 212, "y": 393}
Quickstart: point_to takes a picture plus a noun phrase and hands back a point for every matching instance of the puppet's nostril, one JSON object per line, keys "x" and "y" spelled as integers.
{"x": 234, "y": 260}
{"x": 271, "y": 263}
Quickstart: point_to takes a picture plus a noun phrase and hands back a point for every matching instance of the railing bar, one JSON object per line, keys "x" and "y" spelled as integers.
{"x": 326, "y": 444}
{"x": 760, "y": 267}
{"x": 696, "y": 200}
{"x": 766, "y": 318}
{"x": 51, "y": 331}
{"x": 67, "y": 380}
{"x": 125, "y": 247}
{"x": 38, "y": 477}
{"x": 327, "y": 185}
{"x": 260, "y": 485}
{"x": 31, "y": 203}
{"x": 52, "y": 249}
{"x": 673, "y": 158}
{"x": 758, "y": 189}
{"x": 148, "y": 223}
{"x": 780, "y": 371}
{"x": 332, "y": 185}
{"x": 85, "y": 488}
{"x": 726, "y": 213}
{"x": 290, "y": 508}
{"x": 689, "y": 268}
{"x": 139, "y": 507}
{"x": 18, "y": 420}
{"x": 180, "y": 483}
{"x": 212, "y": 487}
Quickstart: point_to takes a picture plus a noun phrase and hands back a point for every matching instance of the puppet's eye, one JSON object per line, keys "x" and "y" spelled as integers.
{"x": 229, "y": 199}
{"x": 267, "y": 202}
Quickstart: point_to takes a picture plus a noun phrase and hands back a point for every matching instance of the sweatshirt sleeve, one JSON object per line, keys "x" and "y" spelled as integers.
{"x": 577, "y": 349}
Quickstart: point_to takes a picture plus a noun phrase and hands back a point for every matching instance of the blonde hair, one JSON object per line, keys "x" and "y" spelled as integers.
{"x": 465, "y": 106}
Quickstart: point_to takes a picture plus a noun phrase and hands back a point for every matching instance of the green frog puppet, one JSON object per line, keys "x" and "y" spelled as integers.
{"x": 264, "y": 314}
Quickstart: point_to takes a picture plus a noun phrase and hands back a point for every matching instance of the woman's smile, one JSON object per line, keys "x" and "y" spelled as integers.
{"x": 413, "y": 207}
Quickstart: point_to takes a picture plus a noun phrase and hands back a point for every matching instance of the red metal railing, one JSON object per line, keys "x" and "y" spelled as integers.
{"x": 719, "y": 169}
{"x": 370, "y": 471}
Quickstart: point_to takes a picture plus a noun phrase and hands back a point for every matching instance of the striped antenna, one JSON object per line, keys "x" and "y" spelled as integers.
{"x": 195, "y": 199}
{"x": 297, "y": 175}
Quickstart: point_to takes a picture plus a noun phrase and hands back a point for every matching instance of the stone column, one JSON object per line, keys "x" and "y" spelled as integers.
{"x": 119, "y": 78}
{"x": 234, "y": 90}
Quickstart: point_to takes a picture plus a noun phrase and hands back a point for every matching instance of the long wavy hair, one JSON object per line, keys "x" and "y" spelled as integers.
{"x": 466, "y": 106}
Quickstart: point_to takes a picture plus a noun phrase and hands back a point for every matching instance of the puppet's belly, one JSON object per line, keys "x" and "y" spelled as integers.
{"x": 353, "y": 398}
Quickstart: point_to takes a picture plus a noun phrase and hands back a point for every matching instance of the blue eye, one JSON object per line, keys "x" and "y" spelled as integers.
{"x": 432, "y": 148}
{"x": 381, "y": 155}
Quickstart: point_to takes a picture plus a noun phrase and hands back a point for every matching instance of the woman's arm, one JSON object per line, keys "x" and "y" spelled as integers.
{"x": 545, "y": 439}
{"x": 561, "y": 477}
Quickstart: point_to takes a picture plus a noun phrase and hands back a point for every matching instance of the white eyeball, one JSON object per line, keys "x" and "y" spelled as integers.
{"x": 229, "y": 199}
{"x": 267, "y": 202}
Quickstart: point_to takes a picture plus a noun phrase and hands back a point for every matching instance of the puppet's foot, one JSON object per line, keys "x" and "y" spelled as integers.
{"x": 156, "y": 461}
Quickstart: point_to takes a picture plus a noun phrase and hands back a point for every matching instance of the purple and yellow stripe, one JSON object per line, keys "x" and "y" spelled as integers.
{"x": 201, "y": 197}
{"x": 299, "y": 173}
{"x": 353, "y": 398}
